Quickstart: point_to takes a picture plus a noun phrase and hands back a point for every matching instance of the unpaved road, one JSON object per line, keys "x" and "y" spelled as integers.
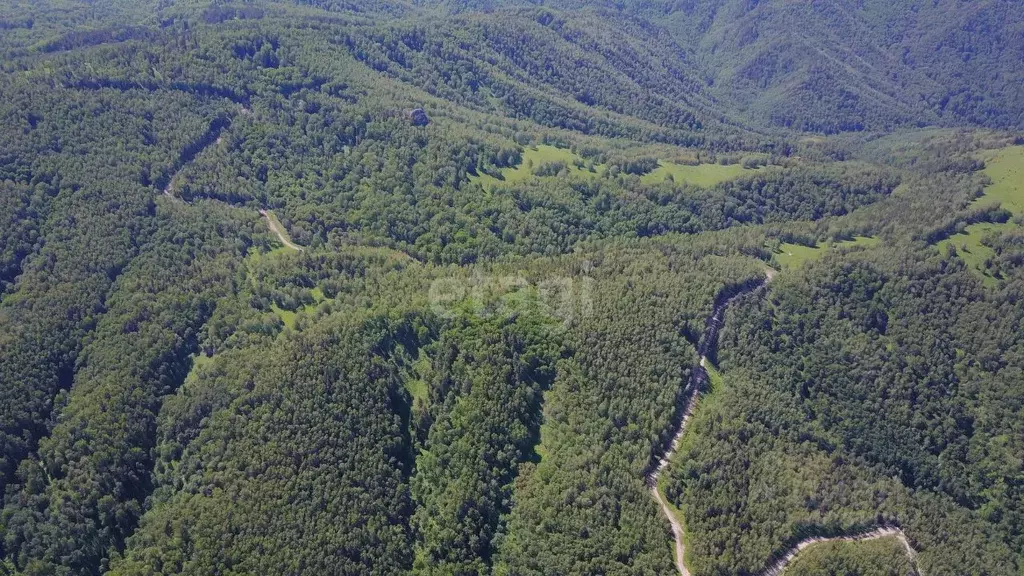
{"x": 169, "y": 192}
{"x": 698, "y": 379}
{"x": 169, "y": 189}
{"x": 884, "y": 532}
{"x": 280, "y": 233}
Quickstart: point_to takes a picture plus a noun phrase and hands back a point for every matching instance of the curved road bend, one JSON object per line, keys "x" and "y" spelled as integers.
{"x": 699, "y": 377}
{"x": 169, "y": 192}
{"x": 780, "y": 565}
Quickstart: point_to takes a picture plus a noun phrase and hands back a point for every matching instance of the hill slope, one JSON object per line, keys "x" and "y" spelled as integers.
{"x": 346, "y": 287}
{"x": 843, "y": 65}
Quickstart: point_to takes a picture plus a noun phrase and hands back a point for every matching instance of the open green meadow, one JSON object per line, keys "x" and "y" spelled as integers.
{"x": 791, "y": 256}
{"x": 417, "y": 386}
{"x": 970, "y": 247}
{"x": 288, "y": 317}
{"x": 535, "y": 157}
{"x": 1005, "y": 167}
{"x": 704, "y": 175}
{"x": 199, "y": 361}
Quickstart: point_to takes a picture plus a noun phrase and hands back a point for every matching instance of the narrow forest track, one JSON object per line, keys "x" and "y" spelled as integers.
{"x": 882, "y": 532}
{"x": 707, "y": 346}
{"x": 280, "y": 233}
{"x": 169, "y": 189}
{"x": 271, "y": 223}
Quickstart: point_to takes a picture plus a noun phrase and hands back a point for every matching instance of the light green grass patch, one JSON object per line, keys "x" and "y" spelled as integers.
{"x": 714, "y": 376}
{"x": 535, "y": 157}
{"x": 289, "y": 317}
{"x": 703, "y": 175}
{"x": 792, "y": 256}
{"x": 252, "y": 258}
{"x": 318, "y": 294}
{"x": 417, "y": 387}
{"x": 286, "y": 316}
{"x": 706, "y": 402}
{"x": 278, "y": 249}
{"x": 199, "y": 362}
{"x": 862, "y": 241}
{"x": 541, "y": 448}
{"x": 254, "y": 255}
{"x": 971, "y": 250}
{"x": 1006, "y": 169}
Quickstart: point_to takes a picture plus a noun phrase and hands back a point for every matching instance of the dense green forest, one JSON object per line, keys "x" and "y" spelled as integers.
{"x": 422, "y": 287}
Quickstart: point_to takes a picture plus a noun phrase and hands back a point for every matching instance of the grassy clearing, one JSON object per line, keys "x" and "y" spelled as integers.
{"x": 251, "y": 259}
{"x": 288, "y": 317}
{"x": 713, "y": 375}
{"x": 280, "y": 252}
{"x": 793, "y": 256}
{"x": 704, "y": 175}
{"x": 535, "y": 157}
{"x": 706, "y": 402}
{"x": 318, "y": 295}
{"x": 1006, "y": 169}
{"x": 417, "y": 387}
{"x": 254, "y": 255}
{"x": 575, "y": 165}
{"x": 972, "y": 251}
{"x": 199, "y": 362}
{"x": 541, "y": 448}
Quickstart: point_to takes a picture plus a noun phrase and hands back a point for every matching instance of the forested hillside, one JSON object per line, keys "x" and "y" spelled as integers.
{"x": 841, "y": 65}
{"x": 346, "y": 287}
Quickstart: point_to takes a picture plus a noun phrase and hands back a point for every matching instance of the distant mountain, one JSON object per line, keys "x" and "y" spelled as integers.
{"x": 836, "y": 65}
{"x": 582, "y": 72}
{"x": 845, "y": 65}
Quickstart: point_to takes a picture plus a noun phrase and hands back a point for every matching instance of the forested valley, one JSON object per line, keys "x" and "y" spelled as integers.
{"x": 387, "y": 287}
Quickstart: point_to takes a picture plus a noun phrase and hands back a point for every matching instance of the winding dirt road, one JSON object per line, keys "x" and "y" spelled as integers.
{"x": 698, "y": 379}
{"x": 271, "y": 223}
{"x": 883, "y": 532}
{"x": 708, "y": 346}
